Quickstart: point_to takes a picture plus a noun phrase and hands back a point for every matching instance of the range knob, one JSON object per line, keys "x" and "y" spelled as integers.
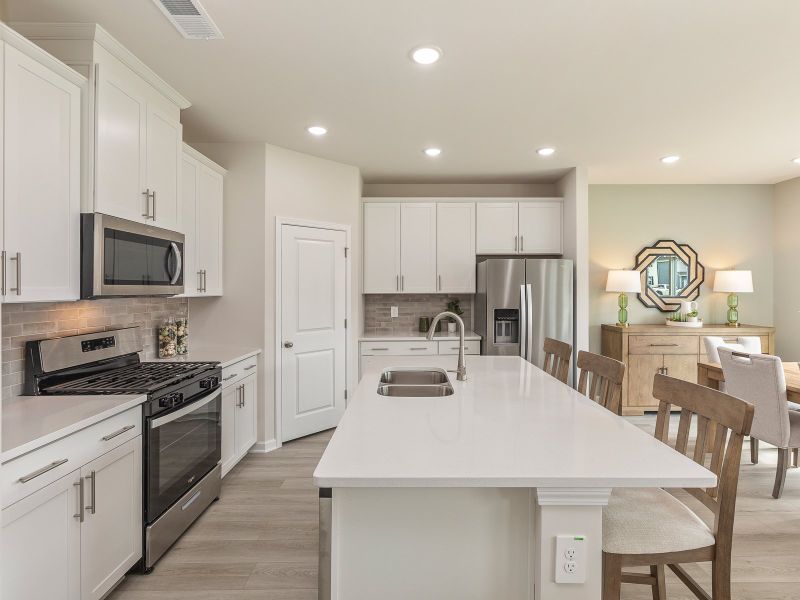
{"x": 176, "y": 399}
{"x": 165, "y": 402}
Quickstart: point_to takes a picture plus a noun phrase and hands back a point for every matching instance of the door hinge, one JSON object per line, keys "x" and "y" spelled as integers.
{"x": 345, "y": 394}
{"x": 345, "y": 251}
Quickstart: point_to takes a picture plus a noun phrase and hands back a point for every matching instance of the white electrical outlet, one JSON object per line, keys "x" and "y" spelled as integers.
{"x": 570, "y": 559}
{"x": 394, "y": 312}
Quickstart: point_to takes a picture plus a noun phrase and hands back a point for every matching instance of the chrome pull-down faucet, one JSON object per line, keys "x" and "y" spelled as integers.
{"x": 461, "y": 370}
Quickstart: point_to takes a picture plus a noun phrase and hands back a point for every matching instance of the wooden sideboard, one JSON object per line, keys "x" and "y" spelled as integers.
{"x": 650, "y": 349}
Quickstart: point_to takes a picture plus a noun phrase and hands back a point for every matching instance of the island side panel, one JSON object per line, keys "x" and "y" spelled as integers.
{"x": 431, "y": 543}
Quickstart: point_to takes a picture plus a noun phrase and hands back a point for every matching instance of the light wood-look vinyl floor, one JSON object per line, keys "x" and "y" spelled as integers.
{"x": 260, "y": 540}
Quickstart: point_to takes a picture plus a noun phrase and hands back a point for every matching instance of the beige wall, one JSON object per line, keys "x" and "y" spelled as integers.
{"x": 787, "y": 282}
{"x": 728, "y": 225}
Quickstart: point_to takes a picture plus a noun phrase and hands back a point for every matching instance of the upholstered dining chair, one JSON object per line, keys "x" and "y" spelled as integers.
{"x": 759, "y": 379}
{"x": 556, "y": 358}
{"x": 750, "y": 344}
{"x": 601, "y": 380}
{"x": 651, "y": 527}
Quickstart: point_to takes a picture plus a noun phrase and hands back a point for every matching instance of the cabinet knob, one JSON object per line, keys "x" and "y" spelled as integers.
{"x": 288, "y": 344}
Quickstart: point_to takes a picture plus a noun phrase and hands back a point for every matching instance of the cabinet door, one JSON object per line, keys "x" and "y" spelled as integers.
{"x": 418, "y": 248}
{"x": 164, "y": 157}
{"x": 540, "y": 227}
{"x": 111, "y": 536}
{"x": 246, "y": 432}
{"x": 41, "y": 542}
{"x": 191, "y": 268}
{"x": 42, "y": 182}
{"x": 642, "y": 369}
{"x": 120, "y": 170}
{"x": 209, "y": 230}
{"x": 381, "y": 248}
{"x": 455, "y": 247}
{"x": 682, "y": 366}
{"x": 496, "y": 228}
{"x": 231, "y": 396}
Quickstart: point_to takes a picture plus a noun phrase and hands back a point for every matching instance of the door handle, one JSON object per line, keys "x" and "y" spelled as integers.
{"x": 515, "y": 244}
{"x": 288, "y": 344}
{"x": 154, "y": 206}
{"x": 92, "y": 508}
{"x": 440, "y": 283}
{"x": 3, "y": 275}
{"x": 397, "y": 282}
{"x": 80, "y": 515}
{"x": 147, "y": 195}
{"x": 199, "y": 281}
{"x": 18, "y": 258}
{"x": 111, "y": 436}
{"x": 402, "y": 283}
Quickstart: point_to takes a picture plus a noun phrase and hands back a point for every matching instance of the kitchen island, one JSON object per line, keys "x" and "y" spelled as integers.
{"x": 463, "y": 496}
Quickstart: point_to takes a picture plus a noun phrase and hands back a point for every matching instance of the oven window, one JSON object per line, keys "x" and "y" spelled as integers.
{"x": 135, "y": 259}
{"x": 180, "y": 452}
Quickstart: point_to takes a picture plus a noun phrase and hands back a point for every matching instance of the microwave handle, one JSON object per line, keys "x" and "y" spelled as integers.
{"x": 179, "y": 259}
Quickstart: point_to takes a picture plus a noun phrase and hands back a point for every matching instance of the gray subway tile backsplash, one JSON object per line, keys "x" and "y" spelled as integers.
{"x": 377, "y": 311}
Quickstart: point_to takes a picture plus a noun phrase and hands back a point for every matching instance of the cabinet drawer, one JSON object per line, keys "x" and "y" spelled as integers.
{"x": 398, "y": 348}
{"x": 232, "y": 374}
{"x": 451, "y": 347}
{"x": 662, "y": 344}
{"x": 31, "y": 472}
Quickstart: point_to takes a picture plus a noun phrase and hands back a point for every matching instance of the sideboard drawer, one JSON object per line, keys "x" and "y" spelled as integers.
{"x": 662, "y": 344}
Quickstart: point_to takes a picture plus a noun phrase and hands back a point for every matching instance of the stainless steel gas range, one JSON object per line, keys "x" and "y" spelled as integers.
{"x": 182, "y": 420}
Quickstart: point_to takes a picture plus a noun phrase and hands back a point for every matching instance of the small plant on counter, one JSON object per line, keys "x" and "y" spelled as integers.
{"x": 677, "y": 317}
{"x": 454, "y": 306}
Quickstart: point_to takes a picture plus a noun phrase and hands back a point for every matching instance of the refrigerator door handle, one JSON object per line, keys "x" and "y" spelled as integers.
{"x": 529, "y": 322}
{"x": 523, "y": 322}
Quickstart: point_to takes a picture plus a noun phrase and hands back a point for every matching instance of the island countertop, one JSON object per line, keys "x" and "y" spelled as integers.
{"x": 509, "y": 425}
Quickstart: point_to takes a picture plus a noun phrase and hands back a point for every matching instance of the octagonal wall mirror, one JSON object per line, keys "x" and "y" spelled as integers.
{"x": 670, "y": 273}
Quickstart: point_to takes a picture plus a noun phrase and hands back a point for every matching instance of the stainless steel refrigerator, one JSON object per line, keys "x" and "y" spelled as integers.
{"x": 521, "y": 301}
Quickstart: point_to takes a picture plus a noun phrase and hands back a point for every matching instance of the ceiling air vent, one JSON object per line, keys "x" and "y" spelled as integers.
{"x": 190, "y": 18}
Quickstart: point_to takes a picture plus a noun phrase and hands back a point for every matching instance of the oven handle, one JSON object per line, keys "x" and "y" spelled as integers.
{"x": 156, "y": 423}
{"x": 178, "y": 261}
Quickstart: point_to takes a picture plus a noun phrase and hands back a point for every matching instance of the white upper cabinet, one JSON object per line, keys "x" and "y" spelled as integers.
{"x": 202, "y": 217}
{"x": 132, "y": 155}
{"x": 418, "y": 247}
{"x": 41, "y": 168}
{"x": 381, "y": 248}
{"x": 527, "y": 227}
{"x": 455, "y": 247}
{"x": 540, "y": 227}
{"x": 497, "y": 228}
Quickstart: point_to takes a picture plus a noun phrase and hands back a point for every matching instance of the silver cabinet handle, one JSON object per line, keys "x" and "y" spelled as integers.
{"x": 250, "y": 367}
{"x": 418, "y": 348}
{"x": 18, "y": 258}
{"x": 522, "y": 243}
{"x": 92, "y": 508}
{"x": 402, "y": 283}
{"x": 80, "y": 514}
{"x": 231, "y": 376}
{"x": 199, "y": 281}
{"x": 147, "y": 195}
{"x": 440, "y": 283}
{"x": 111, "y": 436}
{"x": 662, "y": 345}
{"x": 288, "y": 344}
{"x": 205, "y": 281}
{"x": 42, "y": 471}
{"x": 154, "y": 206}
{"x": 397, "y": 282}
{"x": 3, "y": 269}
{"x": 241, "y": 391}
{"x": 374, "y": 349}
{"x": 515, "y": 244}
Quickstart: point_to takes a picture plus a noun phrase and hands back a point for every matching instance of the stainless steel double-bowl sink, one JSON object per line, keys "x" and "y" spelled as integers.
{"x": 415, "y": 383}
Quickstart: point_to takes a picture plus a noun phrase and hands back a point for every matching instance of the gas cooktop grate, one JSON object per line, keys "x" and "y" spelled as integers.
{"x": 135, "y": 379}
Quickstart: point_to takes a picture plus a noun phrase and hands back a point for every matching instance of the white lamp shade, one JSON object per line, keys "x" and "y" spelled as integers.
{"x": 624, "y": 281}
{"x": 733, "y": 281}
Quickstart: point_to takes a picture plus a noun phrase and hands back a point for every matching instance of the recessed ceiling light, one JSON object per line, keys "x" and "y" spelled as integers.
{"x": 671, "y": 159}
{"x": 546, "y": 151}
{"x": 426, "y": 55}
{"x": 432, "y": 152}
{"x": 796, "y": 160}
{"x": 317, "y": 130}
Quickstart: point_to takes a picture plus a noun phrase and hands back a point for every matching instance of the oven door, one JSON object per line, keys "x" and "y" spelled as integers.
{"x": 181, "y": 447}
{"x": 125, "y": 258}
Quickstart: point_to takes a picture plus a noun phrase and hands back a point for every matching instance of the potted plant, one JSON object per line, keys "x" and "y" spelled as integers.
{"x": 691, "y": 317}
{"x": 453, "y": 306}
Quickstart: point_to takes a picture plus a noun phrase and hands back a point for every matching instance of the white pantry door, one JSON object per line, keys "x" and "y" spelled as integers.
{"x": 312, "y": 329}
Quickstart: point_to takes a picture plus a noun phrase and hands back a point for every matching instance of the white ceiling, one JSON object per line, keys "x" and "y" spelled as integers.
{"x": 612, "y": 84}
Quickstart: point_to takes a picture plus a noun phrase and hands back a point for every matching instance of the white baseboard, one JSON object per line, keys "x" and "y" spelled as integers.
{"x": 267, "y": 446}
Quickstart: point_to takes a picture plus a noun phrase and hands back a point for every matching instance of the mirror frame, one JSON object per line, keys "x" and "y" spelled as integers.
{"x": 684, "y": 252}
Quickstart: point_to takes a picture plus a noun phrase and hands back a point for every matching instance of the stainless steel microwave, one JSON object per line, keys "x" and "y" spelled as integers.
{"x": 126, "y": 258}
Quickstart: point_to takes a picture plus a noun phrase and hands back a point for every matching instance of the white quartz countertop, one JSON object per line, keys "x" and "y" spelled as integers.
{"x": 509, "y": 425}
{"x": 221, "y": 353}
{"x": 415, "y": 336}
{"x": 30, "y": 422}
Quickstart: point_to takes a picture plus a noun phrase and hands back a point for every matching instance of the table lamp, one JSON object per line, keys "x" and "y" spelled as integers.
{"x": 733, "y": 282}
{"x": 624, "y": 282}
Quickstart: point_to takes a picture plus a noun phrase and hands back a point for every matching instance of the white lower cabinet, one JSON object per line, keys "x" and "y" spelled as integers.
{"x": 239, "y": 411}
{"x": 75, "y": 537}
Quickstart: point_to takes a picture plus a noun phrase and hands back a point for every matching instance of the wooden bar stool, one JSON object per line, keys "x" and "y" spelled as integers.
{"x": 556, "y": 358}
{"x": 602, "y": 376}
{"x": 651, "y": 527}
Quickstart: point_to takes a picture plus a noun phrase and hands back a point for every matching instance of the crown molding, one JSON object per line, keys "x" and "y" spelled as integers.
{"x": 203, "y": 159}
{"x": 21, "y": 43}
